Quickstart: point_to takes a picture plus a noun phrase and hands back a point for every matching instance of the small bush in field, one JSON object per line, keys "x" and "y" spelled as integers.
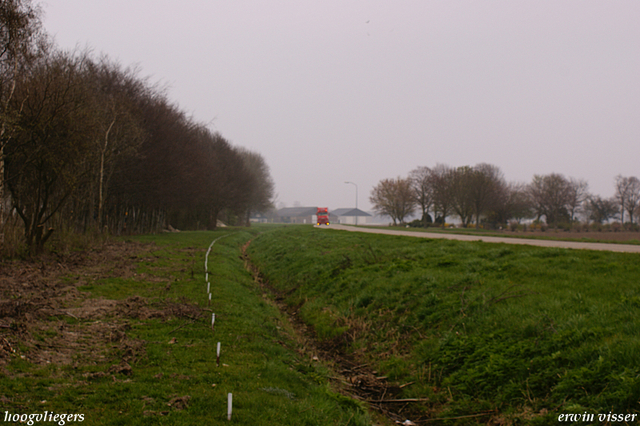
{"x": 417, "y": 223}
{"x": 564, "y": 226}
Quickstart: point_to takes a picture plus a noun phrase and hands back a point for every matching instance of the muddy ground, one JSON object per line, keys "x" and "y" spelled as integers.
{"x": 44, "y": 318}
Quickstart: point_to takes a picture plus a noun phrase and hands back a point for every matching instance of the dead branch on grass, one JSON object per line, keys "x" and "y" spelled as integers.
{"x": 392, "y": 401}
{"x": 459, "y": 417}
{"x": 507, "y": 295}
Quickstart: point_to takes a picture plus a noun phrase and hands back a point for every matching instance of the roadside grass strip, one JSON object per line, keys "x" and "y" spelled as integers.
{"x": 486, "y": 333}
{"x": 151, "y": 351}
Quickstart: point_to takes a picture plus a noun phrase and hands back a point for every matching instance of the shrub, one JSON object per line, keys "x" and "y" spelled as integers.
{"x": 14, "y": 245}
{"x": 596, "y": 227}
{"x": 564, "y": 226}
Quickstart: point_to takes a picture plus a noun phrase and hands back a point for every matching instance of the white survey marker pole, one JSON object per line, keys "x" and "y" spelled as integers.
{"x": 206, "y": 265}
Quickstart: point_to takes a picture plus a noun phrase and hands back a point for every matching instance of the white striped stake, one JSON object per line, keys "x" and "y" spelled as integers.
{"x": 208, "y": 287}
{"x": 206, "y": 277}
{"x": 213, "y": 321}
{"x": 218, "y": 355}
{"x": 209, "y": 298}
{"x": 229, "y": 406}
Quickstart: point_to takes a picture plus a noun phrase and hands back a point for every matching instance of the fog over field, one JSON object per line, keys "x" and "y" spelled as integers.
{"x": 360, "y": 91}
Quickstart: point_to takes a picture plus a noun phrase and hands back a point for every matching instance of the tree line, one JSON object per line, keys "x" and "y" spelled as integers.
{"x": 86, "y": 144}
{"x": 480, "y": 195}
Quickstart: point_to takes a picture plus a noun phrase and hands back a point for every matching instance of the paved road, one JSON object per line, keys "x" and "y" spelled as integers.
{"x": 624, "y": 248}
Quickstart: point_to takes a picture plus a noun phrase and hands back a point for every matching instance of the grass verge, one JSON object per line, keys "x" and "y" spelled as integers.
{"x": 486, "y": 332}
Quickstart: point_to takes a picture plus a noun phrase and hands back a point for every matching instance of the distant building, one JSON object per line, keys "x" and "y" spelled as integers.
{"x": 259, "y": 218}
{"x": 348, "y": 216}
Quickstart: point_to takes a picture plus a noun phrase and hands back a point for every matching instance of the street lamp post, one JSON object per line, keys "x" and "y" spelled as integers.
{"x": 356, "y": 201}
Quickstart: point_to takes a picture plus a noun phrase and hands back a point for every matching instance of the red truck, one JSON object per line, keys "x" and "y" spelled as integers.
{"x": 323, "y": 216}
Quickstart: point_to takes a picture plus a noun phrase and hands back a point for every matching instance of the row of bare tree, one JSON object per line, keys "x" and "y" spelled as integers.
{"x": 86, "y": 144}
{"x": 481, "y": 193}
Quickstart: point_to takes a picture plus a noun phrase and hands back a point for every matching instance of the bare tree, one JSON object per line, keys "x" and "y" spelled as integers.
{"x": 576, "y": 197}
{"x": 191, "y": 174}
{"x": 462, "y": 179}
{"x": 116, "y": 131}
{"x": 393, "y": 198}
{"x": 487, "y": 186}
{"x": 443, "y": 196}
{"x": 518, "y": 202}
{"x": 260, "y": 197}
{"x": 227, "y": 187}
{"x": 167, "y": 175}
{"x": 85, "y": 142}
{"x": 550, "y": 195}
{"x": 600, "y": 209}
{"x": 510, "y": 202}
{"x": 47, "y": 155}
{"x": 422, "y": 190}
{"x": 20, "y": 36}
{"x": 20, "y": 30}
{"x": 628, "y": 195}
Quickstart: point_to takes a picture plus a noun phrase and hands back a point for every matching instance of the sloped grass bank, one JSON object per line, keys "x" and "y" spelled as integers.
{"x": 512, "y": 334}
{"x": 145, "y": 353}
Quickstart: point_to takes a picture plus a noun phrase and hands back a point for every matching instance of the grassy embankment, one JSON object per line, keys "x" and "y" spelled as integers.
{"x": 148, "y": 355}
{"x": 525, "y": 333}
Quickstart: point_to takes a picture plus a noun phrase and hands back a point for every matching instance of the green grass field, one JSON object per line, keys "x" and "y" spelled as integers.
{"x": 485, "y": 333}
{"x": 149, "y": 357}
{"x": 521, "y": 333}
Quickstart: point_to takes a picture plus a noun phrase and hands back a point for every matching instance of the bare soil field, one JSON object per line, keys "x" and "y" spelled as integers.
{"x": 574, "y": 235}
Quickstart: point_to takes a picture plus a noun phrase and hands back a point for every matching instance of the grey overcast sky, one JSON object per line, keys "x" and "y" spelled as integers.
{"x": 330, "y": 91}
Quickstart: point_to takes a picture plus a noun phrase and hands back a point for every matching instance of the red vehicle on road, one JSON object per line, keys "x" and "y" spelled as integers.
{"x": 323, "y": 216}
